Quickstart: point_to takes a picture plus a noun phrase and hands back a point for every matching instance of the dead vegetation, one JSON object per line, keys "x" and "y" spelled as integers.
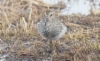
{"x": 21, "y": 41}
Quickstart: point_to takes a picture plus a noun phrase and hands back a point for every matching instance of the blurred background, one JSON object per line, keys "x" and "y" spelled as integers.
{"x": 20, "y": 40}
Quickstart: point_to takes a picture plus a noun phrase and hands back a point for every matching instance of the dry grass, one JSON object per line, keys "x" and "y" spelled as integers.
{"x": 19, "y": 36}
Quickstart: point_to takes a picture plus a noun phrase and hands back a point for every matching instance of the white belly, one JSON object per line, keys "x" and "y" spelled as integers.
{"x": 64, "y": 30}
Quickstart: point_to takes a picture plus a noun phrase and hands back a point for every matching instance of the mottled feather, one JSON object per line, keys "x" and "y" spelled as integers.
{"x": 51, "y": 27}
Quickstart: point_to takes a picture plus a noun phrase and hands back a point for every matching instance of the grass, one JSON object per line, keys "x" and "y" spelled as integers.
{"x": 20, "y": 37}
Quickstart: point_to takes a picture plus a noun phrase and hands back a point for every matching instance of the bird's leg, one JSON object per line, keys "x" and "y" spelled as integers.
{"x": 50, "y": 45}
{"x": 55, "y": 47}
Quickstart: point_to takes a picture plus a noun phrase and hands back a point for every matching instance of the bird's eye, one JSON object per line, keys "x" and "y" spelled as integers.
{"x": 51, "y": 14}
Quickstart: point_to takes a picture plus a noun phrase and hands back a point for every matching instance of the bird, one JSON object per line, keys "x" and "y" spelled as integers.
{"x": 51, "y": 26}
